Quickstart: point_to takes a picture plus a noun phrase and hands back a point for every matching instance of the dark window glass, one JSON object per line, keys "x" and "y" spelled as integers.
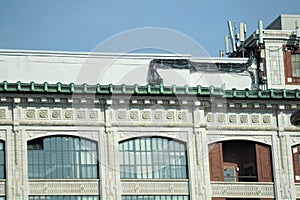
{"x": 62, "y": 157}
{"x": 296, "y": 65}
{"x": 153, "y": 158}
{"x": 2, "y": 162}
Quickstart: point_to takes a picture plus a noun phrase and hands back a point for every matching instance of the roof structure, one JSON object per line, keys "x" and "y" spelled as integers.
{"x": 71, "y": 88}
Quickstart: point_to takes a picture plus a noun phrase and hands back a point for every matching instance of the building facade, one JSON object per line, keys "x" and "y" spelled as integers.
{"x": 65, "y": 135}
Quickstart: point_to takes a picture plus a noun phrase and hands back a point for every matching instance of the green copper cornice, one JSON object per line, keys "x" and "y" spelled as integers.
{"x": 71, "y": 88}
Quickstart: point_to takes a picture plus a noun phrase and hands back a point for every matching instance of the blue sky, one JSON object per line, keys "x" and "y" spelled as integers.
{"x": 73, "y": 25}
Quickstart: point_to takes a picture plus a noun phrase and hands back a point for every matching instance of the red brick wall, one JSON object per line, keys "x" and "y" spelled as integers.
{"x": 216, "y": 162}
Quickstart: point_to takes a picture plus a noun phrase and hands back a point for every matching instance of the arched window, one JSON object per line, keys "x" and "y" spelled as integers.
{"x": 62, "y": 157}
{"x": 153, "y": 158}
{"x": 2, "y": 160}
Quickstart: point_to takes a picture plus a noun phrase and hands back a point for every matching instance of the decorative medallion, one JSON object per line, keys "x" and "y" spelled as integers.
{"x": 2, "y": 113}
{"x": 232, "y": 118}
{"x": 93, "y": 114}
{"x": 170, "y": 115}
{"x": 267, "y": 119}
{"x": 221, "y": 118}
{"x": 81, "y": 114}
{"x": 134, "y": 115}
{"x": 55, "y": 114}
{"x": 121, "y": 114}
{"x": 157, "y": 114}
{"x": 69, "y": 114}
{"x": 244, "y": 119}
{"x": 30, "y": 114}
{"x": 255, "y": 119}
{"x": 210, "y": 118}
{"x": 43, "y": 114}
{"x": 146, "y": 115}
{"x": 181, "y": 115}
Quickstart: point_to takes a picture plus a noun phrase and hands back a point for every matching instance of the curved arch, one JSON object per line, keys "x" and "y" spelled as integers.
{"x": 153, "y": 158}
{"x": 239, "y": 139}
{"x": 176, "y": 136}
{"x": 154, "y": 136}
{"x": 240, "y": 160}
{"x": 62, "y": 157}
{"x": 62, "y": 134}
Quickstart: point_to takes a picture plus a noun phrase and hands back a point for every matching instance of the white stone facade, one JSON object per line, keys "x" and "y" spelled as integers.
{"x": 109, "y": 121}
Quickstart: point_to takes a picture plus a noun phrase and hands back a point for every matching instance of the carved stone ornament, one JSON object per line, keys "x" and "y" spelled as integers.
{"x": 181, "y": 115}
{"x": 210, "y": 118}
{"x": 69, "y": 114}
{"x": 93, "y": 114}
{"x": 157, "y": 114}
{"x": 221, "y": 118}
{"x": 255, "y": 119}
{"x": 232, "y": 118}
{"x": 121, "y": 114}
{"x": 55, "y": 114}
{"x": 43, "y": 114}
{"x": 30, "y": 114}
{"x": 244, "y": 119}
{"x": 146, "y": 115}
{"x": 266, "y": 119}
{"x": 134, "y": 115}
{"x": 170, "y": 115}
{"x": 81, "y": 114}
{"x": 2, "y": 113}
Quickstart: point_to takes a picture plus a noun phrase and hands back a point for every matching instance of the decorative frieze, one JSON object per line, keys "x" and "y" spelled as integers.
{"x": 30, "y": 113}
{"x": 238, "y": 119}
{"x": 64, "y": 187}
{"x": 242, "y": 189}
{"x": 151, "y": 115}
{"x": 155, "y": 187}
{"x": 2, "y": 114}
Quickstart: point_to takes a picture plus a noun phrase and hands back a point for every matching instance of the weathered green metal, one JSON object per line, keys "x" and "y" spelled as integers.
{"x": 71, "y": 88}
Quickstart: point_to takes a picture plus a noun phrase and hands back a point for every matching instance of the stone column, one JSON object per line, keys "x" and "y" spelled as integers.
{"x": 16, "y": 154}
{"x": 281, "y": 168}
{"x": 110, "y": 175}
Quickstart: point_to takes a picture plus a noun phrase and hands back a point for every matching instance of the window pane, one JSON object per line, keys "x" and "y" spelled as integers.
{"x": 153, "y": 157}
{"x": 296, "y": 65}
{"x": 62, "y": 157}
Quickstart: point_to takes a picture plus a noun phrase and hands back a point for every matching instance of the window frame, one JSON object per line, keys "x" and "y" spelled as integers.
{"x": 288, "y": 51}
{"x": 139, "y": 158}
{"x": 61, "y": 153}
